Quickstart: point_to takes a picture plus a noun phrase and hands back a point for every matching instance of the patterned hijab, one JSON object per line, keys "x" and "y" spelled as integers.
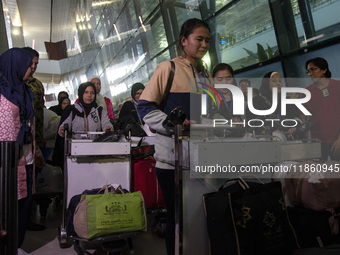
{"x": 13, "y": 67}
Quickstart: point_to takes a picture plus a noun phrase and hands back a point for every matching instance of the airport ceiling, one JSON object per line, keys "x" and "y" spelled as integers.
{"x": 47, "y": 21}
{"x": 42, "y": 21}
{"x": 53, "y": 21}
{"x": 36, "y": 17}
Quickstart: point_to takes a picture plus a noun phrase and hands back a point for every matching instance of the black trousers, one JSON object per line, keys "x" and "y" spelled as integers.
{"x": 25, "y": 206}
{"x": 166, "y": 180}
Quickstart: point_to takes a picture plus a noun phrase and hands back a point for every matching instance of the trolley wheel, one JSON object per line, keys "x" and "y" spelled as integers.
{"x": 114, "y": 247}
{"x": 159, "y": 225}
{"x": 77, "y": 248}
{"x": 159, "y": 228}
{"x": 64, "y": 241}
{"x": 64, "y": 245}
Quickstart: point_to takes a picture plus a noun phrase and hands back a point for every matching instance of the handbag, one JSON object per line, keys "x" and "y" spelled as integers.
{"x": 248, "y": 218}
{"x": 49, "y": 181}
{"x": 142, "y": 151}
{"x": 109, "y": 213}
{"x": 109, "y": 136}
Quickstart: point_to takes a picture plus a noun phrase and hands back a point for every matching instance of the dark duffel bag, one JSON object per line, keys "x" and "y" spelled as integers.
{"x": 71, "y": 209}
{"x": 248, "y": 218}
{"x": 70, "y": 213}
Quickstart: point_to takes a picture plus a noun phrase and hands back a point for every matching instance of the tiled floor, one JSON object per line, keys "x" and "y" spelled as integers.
{"x": 46, "y": 242}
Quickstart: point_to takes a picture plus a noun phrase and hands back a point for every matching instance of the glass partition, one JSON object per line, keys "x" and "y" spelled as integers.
{"x": 244, "y": 34}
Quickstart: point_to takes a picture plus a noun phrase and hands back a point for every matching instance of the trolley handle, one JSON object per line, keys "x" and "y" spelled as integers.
{"x": 66, "y": 127}
{"x": 66, "y": 130}
{"x": 63, "y": 223}
{"x": 175, "y": 117}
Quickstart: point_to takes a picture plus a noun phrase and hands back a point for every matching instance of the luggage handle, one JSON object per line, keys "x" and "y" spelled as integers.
{"x": 106, "y": 188}
{"x": 242, "y": 177}
{"x": 121, "y": 190}
{"x": 233, "y": 181}
{"x": 140, "y": 142}
{"x": 241, "y": 181}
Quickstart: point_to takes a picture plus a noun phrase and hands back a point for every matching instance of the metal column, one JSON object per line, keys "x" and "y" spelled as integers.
{"x": 307, "y": 19}
{"x": 9, "y": 154}
{"x": 178, "y": 191}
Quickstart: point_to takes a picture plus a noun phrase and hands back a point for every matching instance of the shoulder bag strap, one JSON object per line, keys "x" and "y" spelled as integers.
{"x": 168, "y": 86}
{"x": 100, "y": 109}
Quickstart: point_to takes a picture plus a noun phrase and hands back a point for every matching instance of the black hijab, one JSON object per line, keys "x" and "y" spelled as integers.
{"x": 86, "y": 107}
{"x": 81, "y": 90}
{"x": 57, "y": 109}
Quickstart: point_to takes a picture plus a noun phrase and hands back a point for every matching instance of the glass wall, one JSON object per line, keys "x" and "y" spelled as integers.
{"x": 322, "y": 24}
{"x": 244, "y": 34}
{"x": 122, "y": 42}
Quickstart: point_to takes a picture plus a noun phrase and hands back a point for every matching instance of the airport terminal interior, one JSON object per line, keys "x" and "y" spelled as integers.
{"x": 123, "y": 41}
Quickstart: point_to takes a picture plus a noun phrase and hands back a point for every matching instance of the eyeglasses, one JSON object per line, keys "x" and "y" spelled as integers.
{"x": 311, "y": 70}
{"x": 244, "y": 85}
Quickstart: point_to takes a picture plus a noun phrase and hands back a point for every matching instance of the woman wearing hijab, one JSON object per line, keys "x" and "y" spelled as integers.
{"x": 128, "y": 113}
{"x": 85, "y": 115}
{"x": 104, "y": 102}
{"x": 63, "y": 102}
{"x": 129, "y": 107}
{"x": 16, "y": 124}
{"x": 273, "y": 80}
{"x": 263, "y": 102}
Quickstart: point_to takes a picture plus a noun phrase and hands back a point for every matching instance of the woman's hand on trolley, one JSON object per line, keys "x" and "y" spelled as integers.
{"x": 108, "y": 128}
{"x": 186, "y": 123}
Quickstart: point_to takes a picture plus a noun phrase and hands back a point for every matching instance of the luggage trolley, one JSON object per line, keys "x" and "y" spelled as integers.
{"x": 89, "y": 165}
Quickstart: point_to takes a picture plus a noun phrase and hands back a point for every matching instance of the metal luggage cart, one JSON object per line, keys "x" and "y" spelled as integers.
{"x": 89, "y": 165}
